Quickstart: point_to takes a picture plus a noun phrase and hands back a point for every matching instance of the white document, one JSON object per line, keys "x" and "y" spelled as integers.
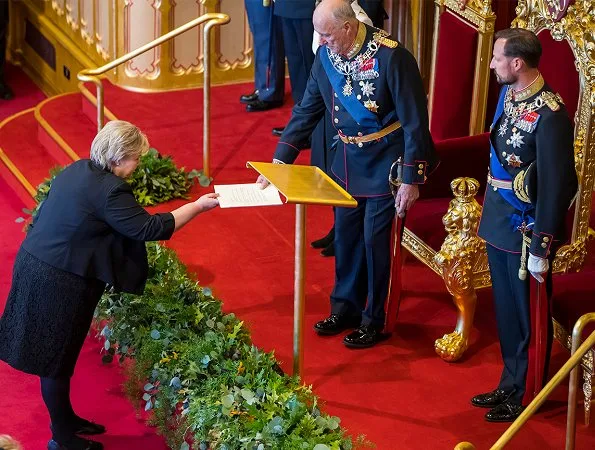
{"x": 238, "y": 195}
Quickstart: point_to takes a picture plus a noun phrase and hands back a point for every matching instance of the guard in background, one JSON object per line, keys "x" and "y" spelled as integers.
{"x": 531, "y": 184}
{"x": 5, "y": 91}
{"x": 372, "y": 88}
{"x": 374, "y": 9}
{"x": 296, "y": 20}
{"x": 269, "y": 57}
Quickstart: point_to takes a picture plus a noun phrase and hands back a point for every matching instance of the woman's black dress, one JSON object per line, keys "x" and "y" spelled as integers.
{"x": 47, "y": 316}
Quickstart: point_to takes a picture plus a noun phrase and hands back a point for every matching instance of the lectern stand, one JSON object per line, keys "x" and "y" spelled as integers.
{"x": 302, "y": 185}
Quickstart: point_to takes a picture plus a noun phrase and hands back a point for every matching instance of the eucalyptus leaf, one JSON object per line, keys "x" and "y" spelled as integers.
{"x": 19, "y": 220}
{"x": 155, "y": 334}
{"x": 146, "y": 397}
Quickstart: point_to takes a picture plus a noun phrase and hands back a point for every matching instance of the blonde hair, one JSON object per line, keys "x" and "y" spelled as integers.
{"x": 118, "y": 140}
{"x": 8, "y": 443}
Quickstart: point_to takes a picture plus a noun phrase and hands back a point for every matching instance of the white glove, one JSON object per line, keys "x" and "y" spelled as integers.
{"x": 537, "y": 266}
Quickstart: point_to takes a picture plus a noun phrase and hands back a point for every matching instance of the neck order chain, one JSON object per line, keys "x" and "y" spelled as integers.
{"x": 349, "y": 68}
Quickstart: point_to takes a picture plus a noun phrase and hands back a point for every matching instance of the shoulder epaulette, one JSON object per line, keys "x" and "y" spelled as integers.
{"x": 552, "y": 100}
{"x": 382, "y": 39}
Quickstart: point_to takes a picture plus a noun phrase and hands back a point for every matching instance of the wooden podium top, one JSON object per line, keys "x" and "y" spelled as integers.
{"x": 304, "y": 184}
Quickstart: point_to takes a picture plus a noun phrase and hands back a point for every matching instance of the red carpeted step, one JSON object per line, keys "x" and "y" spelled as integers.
{"x": 20, "y": 143}
{"x": 173, "y": 122}
{"x": 64, "y": 115}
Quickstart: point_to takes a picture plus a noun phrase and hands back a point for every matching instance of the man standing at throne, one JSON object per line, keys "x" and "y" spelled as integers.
{"x": 372, "y": 89}
{"x": 531, "y": 184}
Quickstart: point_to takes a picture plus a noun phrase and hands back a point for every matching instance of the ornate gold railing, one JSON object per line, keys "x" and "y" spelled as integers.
{"x": 571, "y": 367}
{"x": 210, "y": 20}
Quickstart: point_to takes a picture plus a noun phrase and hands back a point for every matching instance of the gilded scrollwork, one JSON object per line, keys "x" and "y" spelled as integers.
{"x": 577, "y": 27}
{"x": 478, "y": 12}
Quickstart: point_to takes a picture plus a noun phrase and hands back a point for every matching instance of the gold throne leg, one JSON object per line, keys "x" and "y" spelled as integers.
{"x": 460, "y": 256}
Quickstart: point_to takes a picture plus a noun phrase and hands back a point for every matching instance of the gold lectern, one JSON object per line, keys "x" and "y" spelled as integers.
{"x": 302, "y": 185}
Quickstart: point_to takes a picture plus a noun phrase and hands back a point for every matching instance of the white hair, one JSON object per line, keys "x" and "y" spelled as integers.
{"x": 118, "y": 140}
{"x": 8, "y": 443}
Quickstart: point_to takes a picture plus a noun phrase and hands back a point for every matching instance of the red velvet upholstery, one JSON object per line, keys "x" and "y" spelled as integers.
{"x": 559, "y": 71}
{"x": 462, "y": 157}
{"x": 453, "y": 78}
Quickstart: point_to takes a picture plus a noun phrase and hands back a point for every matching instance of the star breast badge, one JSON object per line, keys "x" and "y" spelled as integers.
{"x": 371, "y": 105}
{"x": 513, "y": 160}
{"x": 516, "y": 140}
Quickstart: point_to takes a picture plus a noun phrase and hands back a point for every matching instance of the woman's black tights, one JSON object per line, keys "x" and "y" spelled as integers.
{"x": 56, "y": 396}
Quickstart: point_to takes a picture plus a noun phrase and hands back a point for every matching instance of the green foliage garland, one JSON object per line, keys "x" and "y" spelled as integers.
{"x": 157, "y": 179}
{"x": 206, "y": 382}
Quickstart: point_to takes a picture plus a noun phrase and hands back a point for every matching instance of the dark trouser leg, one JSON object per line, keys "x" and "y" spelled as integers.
{"x": 297, "y": 35}
{"x": 349, "y": 294}
{"x": 269, "y": 55}
{"x": 379, "y": 215}
{"x": 513, "y": 315}
{"x": 56, "y": 396}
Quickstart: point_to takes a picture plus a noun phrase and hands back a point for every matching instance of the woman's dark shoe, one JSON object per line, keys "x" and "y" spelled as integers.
{"x": 325, "y": 241}
{"x": 75, "y": 443}
{"x": 89, "y": 428}
{"x": 84, "y": 426}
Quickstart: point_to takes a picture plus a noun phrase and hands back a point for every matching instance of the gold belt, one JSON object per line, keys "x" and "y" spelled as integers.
{"x": 500, "y": 184}
{"x": 370, "y": 137}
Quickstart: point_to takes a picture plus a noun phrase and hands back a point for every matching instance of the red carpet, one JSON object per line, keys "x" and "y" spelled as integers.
{"x": 26, "y": 94}
{"x": 400, "y": 394}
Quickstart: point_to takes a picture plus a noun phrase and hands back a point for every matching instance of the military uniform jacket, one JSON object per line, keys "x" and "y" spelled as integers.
{"x": 532, "y": 141}
{"x": 389, "y": 85}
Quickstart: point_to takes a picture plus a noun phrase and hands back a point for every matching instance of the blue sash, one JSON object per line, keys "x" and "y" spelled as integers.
{"x": 501, "y": 173}
{"x": 362, "y": 115}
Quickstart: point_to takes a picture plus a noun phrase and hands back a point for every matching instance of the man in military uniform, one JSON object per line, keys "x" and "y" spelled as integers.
{"x": 269, "y": 57}
{"x": 531, "y": 184}
{"x": 373, "y": 90}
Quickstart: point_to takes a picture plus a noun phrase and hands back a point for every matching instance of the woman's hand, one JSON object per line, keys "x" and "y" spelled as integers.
{"x": 207, "y": 202}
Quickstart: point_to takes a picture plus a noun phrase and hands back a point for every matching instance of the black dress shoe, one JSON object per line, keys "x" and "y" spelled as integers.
{"x": 334, "y": 324}
{"x": 84, "y": 426}
{"x": 504, "y": 412}
{"x": 329, "y": 251}
{"x": 259, "y": 105}
{"x": 76, "y": 444}
{"x": 325, "y": 241}
{"x": 90, "y": 428}
{"x": 364, "y": 337}
{"x": 249, "y": 98}
{"x": 278, "y": 131}
{"x": 5, "y": 91}
{"x": 490, "y": 399}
